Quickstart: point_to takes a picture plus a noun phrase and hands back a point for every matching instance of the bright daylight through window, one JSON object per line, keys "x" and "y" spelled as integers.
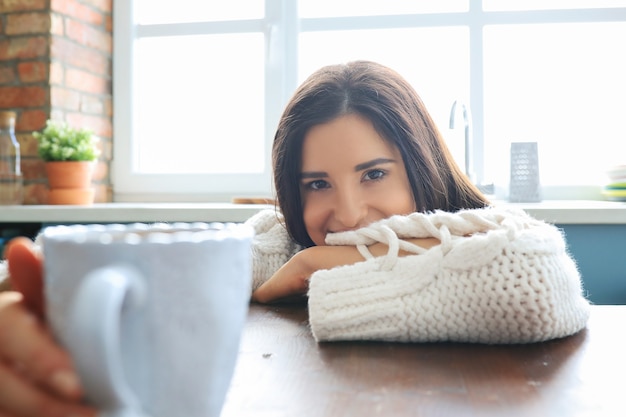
{"x": 199, "y": 87}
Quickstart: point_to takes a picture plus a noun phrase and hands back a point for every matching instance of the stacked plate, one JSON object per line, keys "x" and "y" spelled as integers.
{"x": 616, "y": 188}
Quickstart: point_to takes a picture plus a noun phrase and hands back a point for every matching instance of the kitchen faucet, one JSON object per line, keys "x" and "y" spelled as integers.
{"x": 467, "y": 122}
{"x": 469, "y": 162}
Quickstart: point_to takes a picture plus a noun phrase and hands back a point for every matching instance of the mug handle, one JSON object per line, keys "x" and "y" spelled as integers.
{"x": 93, "y": 336}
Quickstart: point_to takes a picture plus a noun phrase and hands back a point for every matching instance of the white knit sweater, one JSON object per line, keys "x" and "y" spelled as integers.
{"x": 498, "y": 276}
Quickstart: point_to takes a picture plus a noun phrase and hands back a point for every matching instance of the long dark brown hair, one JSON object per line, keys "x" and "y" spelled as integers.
{"x": 392, "y": 105}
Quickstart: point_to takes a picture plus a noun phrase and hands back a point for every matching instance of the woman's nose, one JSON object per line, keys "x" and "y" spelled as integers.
{"x": 350, "y": 210}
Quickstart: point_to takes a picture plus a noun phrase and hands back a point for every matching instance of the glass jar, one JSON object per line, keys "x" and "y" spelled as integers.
{"x": 11, "y": 183}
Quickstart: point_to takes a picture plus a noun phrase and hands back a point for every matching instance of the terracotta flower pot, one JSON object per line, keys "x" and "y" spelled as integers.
{"x": 73, "y": 196}
{"x": 70, "y": 182}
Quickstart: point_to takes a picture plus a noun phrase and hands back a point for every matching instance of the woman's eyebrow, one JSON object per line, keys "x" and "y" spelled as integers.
{"x": 359, "y": 167}
{"x": 313, "y": 174}
{"x": 373, "y": 163}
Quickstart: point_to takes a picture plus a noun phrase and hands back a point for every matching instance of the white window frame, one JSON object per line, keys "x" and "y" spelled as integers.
{"x": 281, "y": 27}
{"x": 132, "y": 186}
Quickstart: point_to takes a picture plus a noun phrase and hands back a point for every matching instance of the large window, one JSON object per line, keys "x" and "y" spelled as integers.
{"x": 199, "y": 87}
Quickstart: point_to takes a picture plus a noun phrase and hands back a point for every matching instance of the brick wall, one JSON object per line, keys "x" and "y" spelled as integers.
{"x": 55, "y": 62}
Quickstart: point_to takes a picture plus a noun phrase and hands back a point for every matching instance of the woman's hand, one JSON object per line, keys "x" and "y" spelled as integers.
{"x": 292, "y": 279}
{"x": 36, "y": 376}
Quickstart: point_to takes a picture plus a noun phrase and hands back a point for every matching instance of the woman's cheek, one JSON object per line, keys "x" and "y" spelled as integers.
{"x": 314, "y": 220}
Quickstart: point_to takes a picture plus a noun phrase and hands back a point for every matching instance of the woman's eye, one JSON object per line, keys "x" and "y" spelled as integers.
{"x": 374, "y": 174}
{"x": 316, "y": 185}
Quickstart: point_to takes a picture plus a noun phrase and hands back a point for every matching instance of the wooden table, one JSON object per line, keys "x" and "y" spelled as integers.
{"x": 282, "y": 371}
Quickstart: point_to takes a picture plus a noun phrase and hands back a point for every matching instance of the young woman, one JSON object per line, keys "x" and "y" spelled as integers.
{"x": 377, "y": 226}
{"x": 363, "y": 178}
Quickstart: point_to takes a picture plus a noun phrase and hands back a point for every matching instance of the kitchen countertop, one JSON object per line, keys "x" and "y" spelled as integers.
{"x": 130, "y": 212}
{"x": 553, "y": 211}
{"x": 576, "y": 211}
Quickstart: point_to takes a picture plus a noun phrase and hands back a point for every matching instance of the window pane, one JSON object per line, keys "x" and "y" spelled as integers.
{"x": 561, "y": 85}
{"x": 501, "y": 5}
{"x": 434, "y": 60}
{"x": 199, "y": 104}
{"x": 183, "y": 11}
{"x": 330, "y": 8}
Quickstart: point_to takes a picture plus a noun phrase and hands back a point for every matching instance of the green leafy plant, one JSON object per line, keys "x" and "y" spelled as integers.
{"x": 60, "y": 142}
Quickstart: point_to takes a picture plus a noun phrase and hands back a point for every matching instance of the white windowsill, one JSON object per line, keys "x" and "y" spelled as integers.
{"x": 553, "y": 211}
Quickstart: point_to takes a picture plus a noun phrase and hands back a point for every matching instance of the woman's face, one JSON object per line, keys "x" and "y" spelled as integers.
{"x": 350, "y": 178}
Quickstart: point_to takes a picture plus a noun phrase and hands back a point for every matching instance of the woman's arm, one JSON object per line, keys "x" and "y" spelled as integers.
{"x": 292, "y": 279}
{"x": 498, "y": 276}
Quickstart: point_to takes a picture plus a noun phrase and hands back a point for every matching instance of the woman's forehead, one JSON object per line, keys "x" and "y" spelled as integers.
{"x": 347, "y": 138}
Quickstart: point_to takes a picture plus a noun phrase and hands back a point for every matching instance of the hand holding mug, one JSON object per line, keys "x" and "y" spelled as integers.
{"x": 37, "y": 377}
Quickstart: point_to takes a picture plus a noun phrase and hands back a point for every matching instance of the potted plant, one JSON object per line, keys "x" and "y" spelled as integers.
{"x": 70, "y": 156}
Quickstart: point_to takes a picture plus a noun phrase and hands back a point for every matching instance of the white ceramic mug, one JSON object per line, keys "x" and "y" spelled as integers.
{"x": 151, "y": 314}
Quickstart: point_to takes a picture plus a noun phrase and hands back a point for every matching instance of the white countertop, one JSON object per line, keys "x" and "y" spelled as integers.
{"x": 576, "y": 211}
{"x": 130, "y": 212}
{"x": 553, "y": 211}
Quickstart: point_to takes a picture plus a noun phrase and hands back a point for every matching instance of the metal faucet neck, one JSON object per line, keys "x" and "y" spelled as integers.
{"x": 467, "y": 123}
